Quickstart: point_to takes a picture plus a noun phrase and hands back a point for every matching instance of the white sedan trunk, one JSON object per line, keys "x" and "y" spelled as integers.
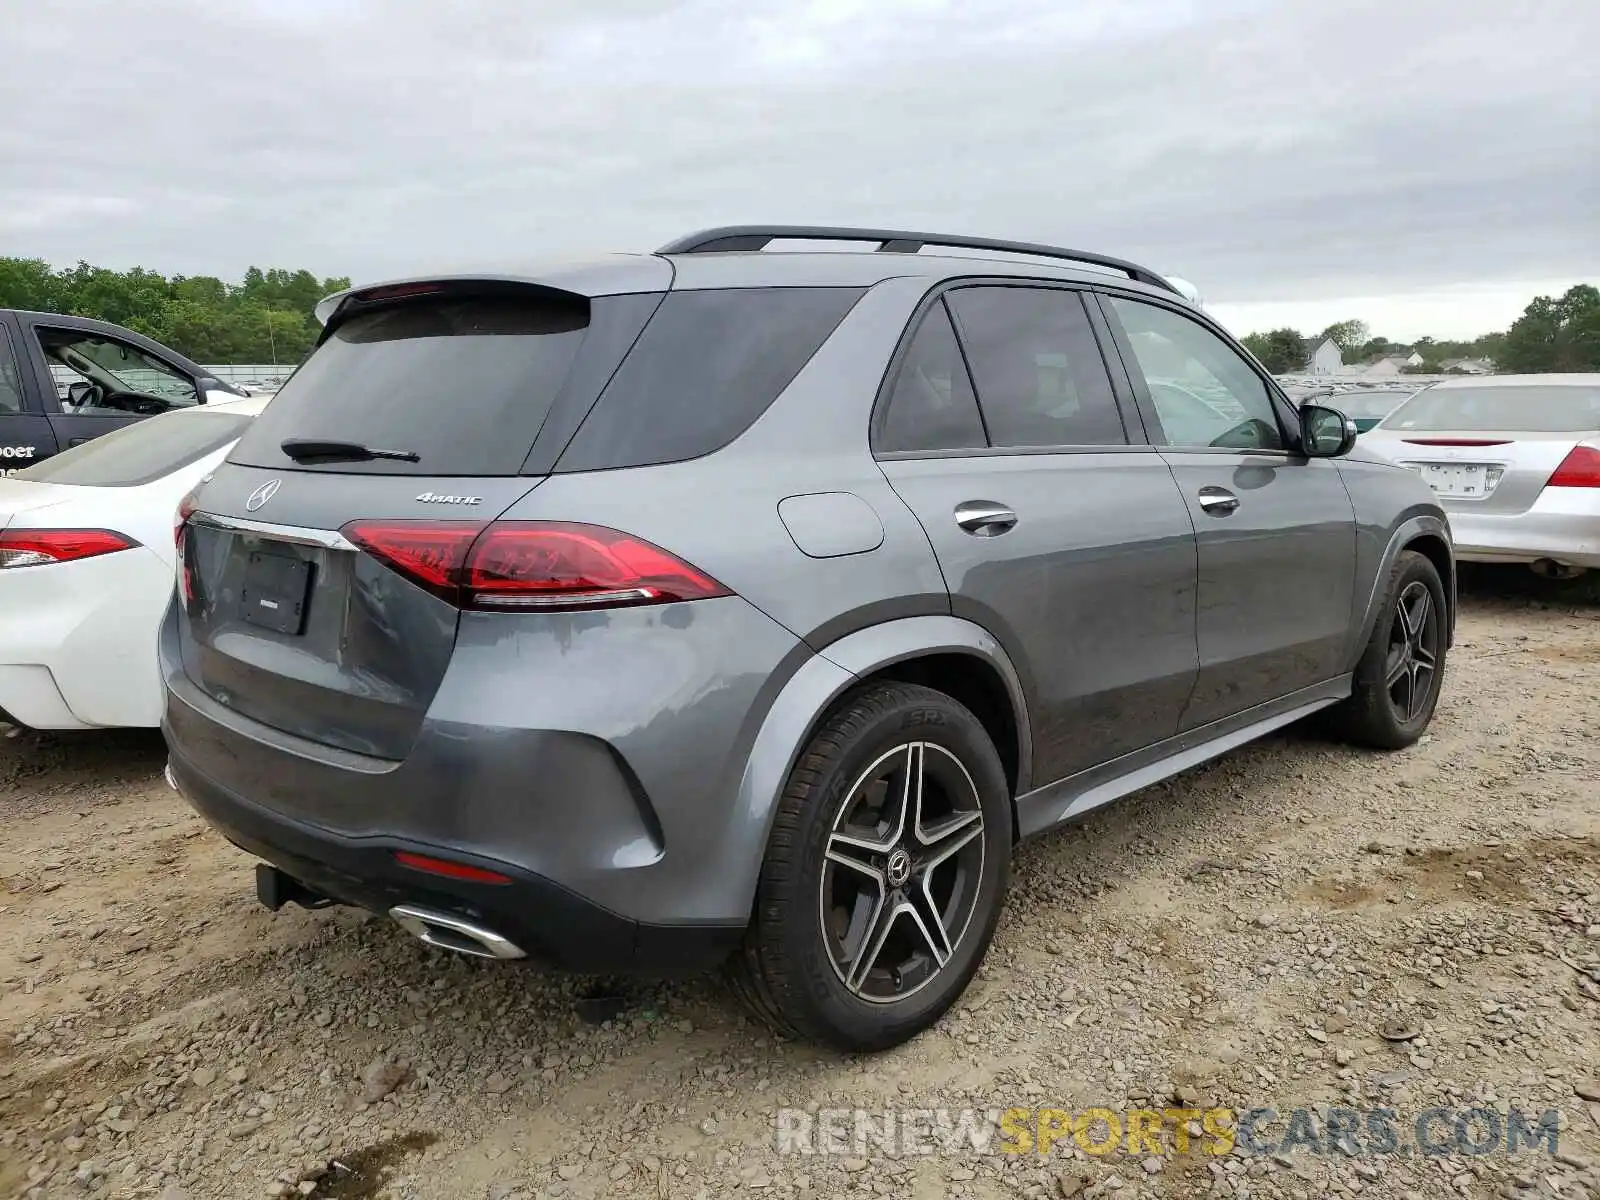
{"x": 78, "y": 631}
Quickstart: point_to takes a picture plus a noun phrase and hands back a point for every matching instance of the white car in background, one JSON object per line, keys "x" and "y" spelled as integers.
{"x": 1515, "y": 462}
{"x": 87, "y": 566}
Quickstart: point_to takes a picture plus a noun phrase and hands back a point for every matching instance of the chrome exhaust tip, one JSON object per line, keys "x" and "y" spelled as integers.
{"x": 1549, "y": 568}
{"x": 452, "y": 933}
{"x": 166, "y": 773}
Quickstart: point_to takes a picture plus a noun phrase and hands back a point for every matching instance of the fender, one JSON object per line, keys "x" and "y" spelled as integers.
{"x": 1403, "y": 534}
{"x": 820, "y": 681}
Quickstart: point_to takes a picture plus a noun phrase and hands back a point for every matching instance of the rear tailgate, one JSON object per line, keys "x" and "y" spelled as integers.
{"x": 1501, "y": 473}
{"x": 289, "y": 624}
{"x": 1489, "y": 446}
{"x": 284, "y": 620}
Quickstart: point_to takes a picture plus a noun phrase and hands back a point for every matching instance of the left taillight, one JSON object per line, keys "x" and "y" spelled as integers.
{"x": 542, "y": 566}
{"x": 43, "y": 547}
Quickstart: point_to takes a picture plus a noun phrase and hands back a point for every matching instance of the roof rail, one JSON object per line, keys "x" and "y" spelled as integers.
{"x": 893, "y": 241}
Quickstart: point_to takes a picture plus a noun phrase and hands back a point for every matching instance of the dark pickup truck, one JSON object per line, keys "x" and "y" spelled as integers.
{"x": 65, "y": 380}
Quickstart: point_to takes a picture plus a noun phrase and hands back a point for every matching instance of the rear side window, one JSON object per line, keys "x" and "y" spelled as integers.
{"x": 10, "y": 376}
{"x": 708, "y": 364}
{"x": 931, "y": 406}
{"x": 462, "y": 381}
{"x": 1036, "y": 364}
{"x": 141, "y": 453}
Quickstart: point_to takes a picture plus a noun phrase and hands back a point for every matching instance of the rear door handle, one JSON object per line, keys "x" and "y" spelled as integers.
{"x": 984, "y": 518}
{"x": 1218, "y": 500}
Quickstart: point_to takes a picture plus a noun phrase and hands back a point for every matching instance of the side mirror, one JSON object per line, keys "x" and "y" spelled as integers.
{"x": 1326, "y": 432}
{"x": 78, "y": 393}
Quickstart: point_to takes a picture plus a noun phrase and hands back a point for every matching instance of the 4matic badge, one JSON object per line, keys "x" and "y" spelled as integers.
{"x": 436, "y": 498}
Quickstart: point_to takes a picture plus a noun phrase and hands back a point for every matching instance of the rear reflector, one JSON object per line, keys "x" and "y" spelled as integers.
{"x": 1458, "y": 441}
{"x": 1580, "y": 468}
{"x": 450, "y": 870}
{"x": 541, "y": 566}
{"x": 186, "y": 509}
{"x": 42, "y": 547}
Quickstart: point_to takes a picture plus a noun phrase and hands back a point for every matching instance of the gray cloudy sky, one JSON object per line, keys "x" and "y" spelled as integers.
{"x": 1430, "y": 160}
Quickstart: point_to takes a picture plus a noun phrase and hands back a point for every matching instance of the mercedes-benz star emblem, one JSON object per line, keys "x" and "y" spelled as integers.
{"x": 262, "y": 494}
{"x": 899, "y": 868}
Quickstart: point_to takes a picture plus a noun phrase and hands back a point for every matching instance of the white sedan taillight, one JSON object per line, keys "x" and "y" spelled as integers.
{"x": 1580, "y": 468}
{"x": 42, "y": 547}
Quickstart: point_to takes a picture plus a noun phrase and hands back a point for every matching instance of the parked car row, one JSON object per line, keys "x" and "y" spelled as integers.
{"x": 744, "y": 607}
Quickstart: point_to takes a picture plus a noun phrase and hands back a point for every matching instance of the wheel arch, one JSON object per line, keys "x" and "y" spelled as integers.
{"x": 1428, "y": 534}
{"x": 1435, "y": 547}
{"x": 947, "y": 653}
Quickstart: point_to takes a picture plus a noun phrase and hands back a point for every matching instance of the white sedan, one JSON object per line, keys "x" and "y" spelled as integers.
{"x": 1514, "y": 460}
{"x": 87, "y": 563}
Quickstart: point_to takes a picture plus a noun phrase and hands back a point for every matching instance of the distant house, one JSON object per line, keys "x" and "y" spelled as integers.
{"x": 1325, "y": 358}
{"x": 1388, "y": 365}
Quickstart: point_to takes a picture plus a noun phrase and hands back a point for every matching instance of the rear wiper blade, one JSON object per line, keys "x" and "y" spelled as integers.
{"x": 312, "y": 450}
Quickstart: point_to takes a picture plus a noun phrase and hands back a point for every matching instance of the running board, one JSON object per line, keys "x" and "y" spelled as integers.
{"x": 1067, "y": 799}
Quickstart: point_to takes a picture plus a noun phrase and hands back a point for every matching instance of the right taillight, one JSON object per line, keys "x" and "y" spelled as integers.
{"x": 1580, "y": 468}
{"x": 540, "y": 566}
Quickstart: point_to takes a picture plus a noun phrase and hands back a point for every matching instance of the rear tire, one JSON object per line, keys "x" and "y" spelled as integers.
{"x": 877, "y": 900}
{"x": 1397, "y": 681}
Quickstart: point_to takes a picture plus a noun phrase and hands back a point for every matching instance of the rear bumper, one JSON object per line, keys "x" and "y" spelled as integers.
{"x": 595, "y": 761}
{"x": 547, "y": 921}
{"x": 1562, "y": 525}
{"x": 31, "y": 698}
{"x": 78, "y": 641}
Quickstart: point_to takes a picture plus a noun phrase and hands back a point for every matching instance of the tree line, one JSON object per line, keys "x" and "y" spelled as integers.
{"x": 1552, "y": 334}
{"x": 265, "y": 318}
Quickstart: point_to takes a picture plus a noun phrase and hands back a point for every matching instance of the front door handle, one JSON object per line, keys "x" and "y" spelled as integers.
{"x": 984, "y": 518}
{"x": 1218, "y": 500}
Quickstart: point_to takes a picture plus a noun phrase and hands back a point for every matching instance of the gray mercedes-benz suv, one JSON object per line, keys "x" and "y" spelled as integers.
{"x": 731, "y": 604}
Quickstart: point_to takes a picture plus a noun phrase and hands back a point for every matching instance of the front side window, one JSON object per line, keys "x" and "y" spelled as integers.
{"x": 1037, "y": 367}
{"x": 1205, "y": 393}
{"x": 100, "y": 375}
{"x": 932, "y": 406}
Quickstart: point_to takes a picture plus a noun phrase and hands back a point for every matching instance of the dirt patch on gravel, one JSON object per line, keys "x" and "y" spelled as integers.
{"x": 1253, "y": 933}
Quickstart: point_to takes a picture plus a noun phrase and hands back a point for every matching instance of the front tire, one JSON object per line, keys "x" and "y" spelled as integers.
{"x": 1397, "y": 681}
{"x": 885, "y": 873}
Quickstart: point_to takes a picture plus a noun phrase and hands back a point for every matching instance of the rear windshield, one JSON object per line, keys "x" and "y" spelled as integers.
{"x": 1363, "y": 404}
{"x": 708, "y": 364}
{"x": 463, "y": 382}
{"x": 1532, "y": 409}
{"x": 141, "y": 453}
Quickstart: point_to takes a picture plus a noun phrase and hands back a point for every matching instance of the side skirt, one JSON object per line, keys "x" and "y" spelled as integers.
{"x": 1066, "y": 799}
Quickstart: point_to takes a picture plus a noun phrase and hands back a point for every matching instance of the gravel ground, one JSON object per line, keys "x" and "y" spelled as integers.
{"x": 1244, "y": 935}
